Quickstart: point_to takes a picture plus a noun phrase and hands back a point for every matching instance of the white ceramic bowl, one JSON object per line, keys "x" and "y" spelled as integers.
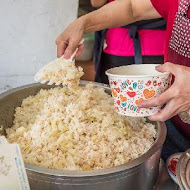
{"x": 171, "y": 164}
{"x": 135, "y": 83}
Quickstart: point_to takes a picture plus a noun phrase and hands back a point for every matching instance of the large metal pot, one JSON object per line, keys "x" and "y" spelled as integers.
{"x": 139, "y": 174}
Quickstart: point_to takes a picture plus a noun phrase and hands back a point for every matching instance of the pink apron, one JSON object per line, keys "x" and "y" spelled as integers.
{"x": 118, "y": 42}
{"x": 134, "y": 43}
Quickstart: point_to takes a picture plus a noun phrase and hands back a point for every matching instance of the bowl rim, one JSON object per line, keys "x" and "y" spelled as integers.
{"x": 160, "y": 138}
{"x": 135, "y": 76}
{"x": 181, "y": 170}
{"x": 173, "y": 176}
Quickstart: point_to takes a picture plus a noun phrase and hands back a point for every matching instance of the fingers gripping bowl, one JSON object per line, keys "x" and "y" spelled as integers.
{"x": 133, "y": 84}
{"x": 144, "y": 168}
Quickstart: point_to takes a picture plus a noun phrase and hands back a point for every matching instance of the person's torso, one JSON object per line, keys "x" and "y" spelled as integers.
{"x": 118, "y": 42}
{"x": 179, "y": 53}
{"x": 177, "y": 47}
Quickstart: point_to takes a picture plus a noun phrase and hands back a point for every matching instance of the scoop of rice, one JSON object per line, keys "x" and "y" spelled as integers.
{"x": 77, "y": 129}
{"x": 63, "y": 72}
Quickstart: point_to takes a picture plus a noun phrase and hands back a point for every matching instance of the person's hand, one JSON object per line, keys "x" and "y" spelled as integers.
{"x": 176, "y": 98}
{"x": 69, "y": 39}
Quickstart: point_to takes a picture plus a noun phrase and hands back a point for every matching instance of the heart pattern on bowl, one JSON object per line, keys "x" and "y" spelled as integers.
{"x": 123, "y": 99}
{"x": 160, "y": 83}
{"x": 139, "y": 101}
{"x": 128, "y": 93}
{"x": 124, "y": 104}
{"x": 148, "y": 93}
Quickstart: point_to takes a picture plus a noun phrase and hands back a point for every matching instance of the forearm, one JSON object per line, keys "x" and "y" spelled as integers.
{"x": 114, "y": 14}
{"x": 98, "y": 3}
{"x": 118, "y": 13}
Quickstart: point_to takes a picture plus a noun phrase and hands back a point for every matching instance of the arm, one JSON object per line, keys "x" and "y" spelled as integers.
{"x": 98, "y": 3}
{"x": 118, "y": 13}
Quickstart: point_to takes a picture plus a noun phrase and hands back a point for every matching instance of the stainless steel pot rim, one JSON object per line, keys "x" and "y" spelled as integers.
{"x": 161, "y": 134}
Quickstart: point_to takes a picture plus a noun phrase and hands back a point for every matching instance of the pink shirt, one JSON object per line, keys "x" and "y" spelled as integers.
{"x": 119, "y": 43}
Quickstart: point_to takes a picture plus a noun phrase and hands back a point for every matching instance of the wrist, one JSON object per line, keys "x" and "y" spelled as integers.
{"x": 82, "y": 21}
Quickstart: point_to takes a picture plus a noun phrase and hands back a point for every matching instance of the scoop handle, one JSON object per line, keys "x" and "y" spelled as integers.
{"x": 74, "y": 53}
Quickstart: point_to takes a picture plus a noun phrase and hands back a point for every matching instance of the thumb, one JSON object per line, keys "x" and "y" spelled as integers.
{"x": 167, "y": 67}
